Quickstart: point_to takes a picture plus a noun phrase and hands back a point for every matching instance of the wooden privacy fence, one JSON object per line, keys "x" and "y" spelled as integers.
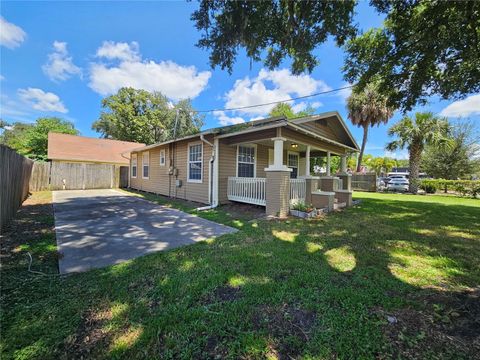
{"x": 15, "y": 173}
{"x": 75, "y": 176}
{"x": 364, "y": 182}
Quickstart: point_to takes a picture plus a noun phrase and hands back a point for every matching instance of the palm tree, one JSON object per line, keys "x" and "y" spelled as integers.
{"x": 415, "y": 134}
{"x": 366, "y": 109}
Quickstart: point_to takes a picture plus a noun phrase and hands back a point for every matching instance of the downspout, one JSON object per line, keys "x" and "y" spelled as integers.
{"x": 210, "y": 180}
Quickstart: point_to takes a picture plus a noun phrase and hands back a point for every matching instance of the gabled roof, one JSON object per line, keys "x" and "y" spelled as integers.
{"x": 80, "y": 148}
{"x": 278, "y": 121}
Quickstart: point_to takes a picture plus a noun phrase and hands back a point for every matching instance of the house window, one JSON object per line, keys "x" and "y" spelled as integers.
{"x": 134, "y": 165}
{"x": 162, "y": 157}
{"x": 195, "y": 162}
{"x": 246, "y": 161}
{"x": 145, "y": 164}
{"x": 292, "y": 163}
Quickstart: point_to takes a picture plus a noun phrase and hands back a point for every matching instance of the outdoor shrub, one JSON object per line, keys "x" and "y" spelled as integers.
{"x": 462, "y": 187}
{"x": 302, "y": 207}
{"x": 430, "y": 187}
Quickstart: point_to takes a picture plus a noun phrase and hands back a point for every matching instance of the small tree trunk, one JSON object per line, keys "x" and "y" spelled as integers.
{"x": 415, "y": 154}
{"x": 364, "y": 142}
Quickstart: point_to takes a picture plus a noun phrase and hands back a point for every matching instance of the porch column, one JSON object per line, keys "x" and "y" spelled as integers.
{"x": 346, "y": 177}
{"x": 307, "y": 162}
{"x": 277, "y": 192}
{"x": 328, "y": 163}
{"x": 278, "y": 152}
{"x": 311, "y": 182}
{"x": 343, "y": 164}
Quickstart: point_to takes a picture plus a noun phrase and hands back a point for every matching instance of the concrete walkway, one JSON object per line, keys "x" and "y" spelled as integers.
{"x": 96, "y": 228}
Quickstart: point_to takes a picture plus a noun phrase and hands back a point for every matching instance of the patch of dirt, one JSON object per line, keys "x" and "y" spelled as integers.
{"x": 448, "y": 325}
{"x": 244, "y": 211}
{"x": 288, "y": 325}
{"x": 215, "y": 349}
{"x": 90, "y": 338}
{"x": 223, "y": 294}
{"x": 33, "y": 221}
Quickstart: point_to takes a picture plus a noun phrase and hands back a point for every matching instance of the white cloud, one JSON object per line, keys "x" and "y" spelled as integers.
{"x": 11, "y": 109}
{"x": 271, "y": 86}
{"x": 400, "y": 155}
{"x": 60, "y": 66}
{"x": 173, "y": 80}
{"x": 119, "y": 51}
{"x": 41, "y": 100}
{"x": 344, "y": 93}
{"x": 224, "y": 119}
{"x": 11, "y": 35}
{"x": 2, "y": 77}
{"x": 463, "y": 108}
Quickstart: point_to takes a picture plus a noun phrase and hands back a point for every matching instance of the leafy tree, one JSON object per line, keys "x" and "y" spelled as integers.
{"x": 36, "y": 137}
{"x": 144, "y": 117}
{"x": 425, "y": 129}
{"x": 13, "y": 135}
{"x": 281, "y": 28}
{"x": 365, "y": 109}
{"x": 423, "y": 48}
{"x": 284, "y": 109}
{"x": 382, "y": 164}
{"x": 460, "y": 160}
{"x": 31, "y": 140}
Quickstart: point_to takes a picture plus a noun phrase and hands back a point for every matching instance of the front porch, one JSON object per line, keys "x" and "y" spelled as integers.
{"x": 288, "y": 178}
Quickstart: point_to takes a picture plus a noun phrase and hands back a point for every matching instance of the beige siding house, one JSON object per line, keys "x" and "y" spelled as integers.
{"x": 263, "y": 162}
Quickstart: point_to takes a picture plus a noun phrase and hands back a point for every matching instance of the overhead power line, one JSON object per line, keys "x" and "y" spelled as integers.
{"x": 277, "y": 102}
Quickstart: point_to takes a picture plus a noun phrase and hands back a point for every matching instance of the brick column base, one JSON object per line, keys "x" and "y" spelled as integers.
{"x": 346, "y": 181}
{"x": 328, "y": 183}
{"x": 311, "y": 185}
{"x": 277, "y": 194}
{"x": 323, "y": 200}
{"x": 344, "y": 196}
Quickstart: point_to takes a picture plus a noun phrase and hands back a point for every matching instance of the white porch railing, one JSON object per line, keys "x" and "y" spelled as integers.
{"x": 297, "y": 191}
{"x": 247, "y": 190}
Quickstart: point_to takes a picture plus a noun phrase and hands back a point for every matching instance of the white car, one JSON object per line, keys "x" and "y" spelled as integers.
{"x": 398, "y": 185}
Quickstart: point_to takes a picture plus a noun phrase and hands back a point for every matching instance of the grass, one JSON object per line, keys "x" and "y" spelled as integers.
{"x": 394, "y": 277}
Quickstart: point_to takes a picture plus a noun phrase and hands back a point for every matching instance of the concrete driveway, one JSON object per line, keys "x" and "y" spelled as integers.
{"x": 96, "y": 228}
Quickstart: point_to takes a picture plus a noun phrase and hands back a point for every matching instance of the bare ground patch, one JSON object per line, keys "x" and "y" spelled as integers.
{"x": 90, "y": 338}
{"x": 223, "y": 294}
{"x": 448, "y": 325}
{"x": 289, "y": 326}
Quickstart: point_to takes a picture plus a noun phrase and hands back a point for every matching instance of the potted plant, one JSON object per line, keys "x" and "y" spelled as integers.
{"x": 304, "y": 211}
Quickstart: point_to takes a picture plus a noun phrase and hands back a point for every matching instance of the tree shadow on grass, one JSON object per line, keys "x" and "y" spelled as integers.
{"x": 318, "y": 288}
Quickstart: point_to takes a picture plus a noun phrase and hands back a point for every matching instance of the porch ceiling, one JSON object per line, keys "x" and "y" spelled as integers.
{"x": 289, "y": 145}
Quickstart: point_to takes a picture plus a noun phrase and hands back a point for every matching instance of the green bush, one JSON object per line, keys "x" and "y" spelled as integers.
{"x": 462, "y": 187}
{"x": 302, "y": 207}
{"x": 430, "y": 187}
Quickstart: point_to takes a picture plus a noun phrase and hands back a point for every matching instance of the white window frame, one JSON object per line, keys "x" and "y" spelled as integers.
{"x": 162, "y": 157}
{"x": 198, "y": 181}
{"x": 134, "y": 157}
{"x": 297, "y": 154}
{"x": 254, "y": 146}
{"x": 143, "y": 164}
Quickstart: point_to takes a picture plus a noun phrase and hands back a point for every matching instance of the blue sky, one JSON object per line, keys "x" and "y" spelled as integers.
{"x": 62, "y": 58}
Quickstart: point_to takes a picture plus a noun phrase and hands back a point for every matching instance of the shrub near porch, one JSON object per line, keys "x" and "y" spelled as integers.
{"x": 393, "y": 277}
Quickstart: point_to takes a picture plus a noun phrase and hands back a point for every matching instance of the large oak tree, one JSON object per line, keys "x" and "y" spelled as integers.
{"x": 425, "y": 47}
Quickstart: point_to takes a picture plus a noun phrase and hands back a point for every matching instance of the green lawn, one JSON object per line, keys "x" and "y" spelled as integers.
{"x": 394, "y": 277}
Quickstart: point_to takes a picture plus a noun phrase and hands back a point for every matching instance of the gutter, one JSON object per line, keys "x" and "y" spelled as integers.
{"x": 210, "y": 178}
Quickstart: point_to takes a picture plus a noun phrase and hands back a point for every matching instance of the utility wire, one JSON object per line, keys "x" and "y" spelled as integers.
{"x": 277, "y": 102}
